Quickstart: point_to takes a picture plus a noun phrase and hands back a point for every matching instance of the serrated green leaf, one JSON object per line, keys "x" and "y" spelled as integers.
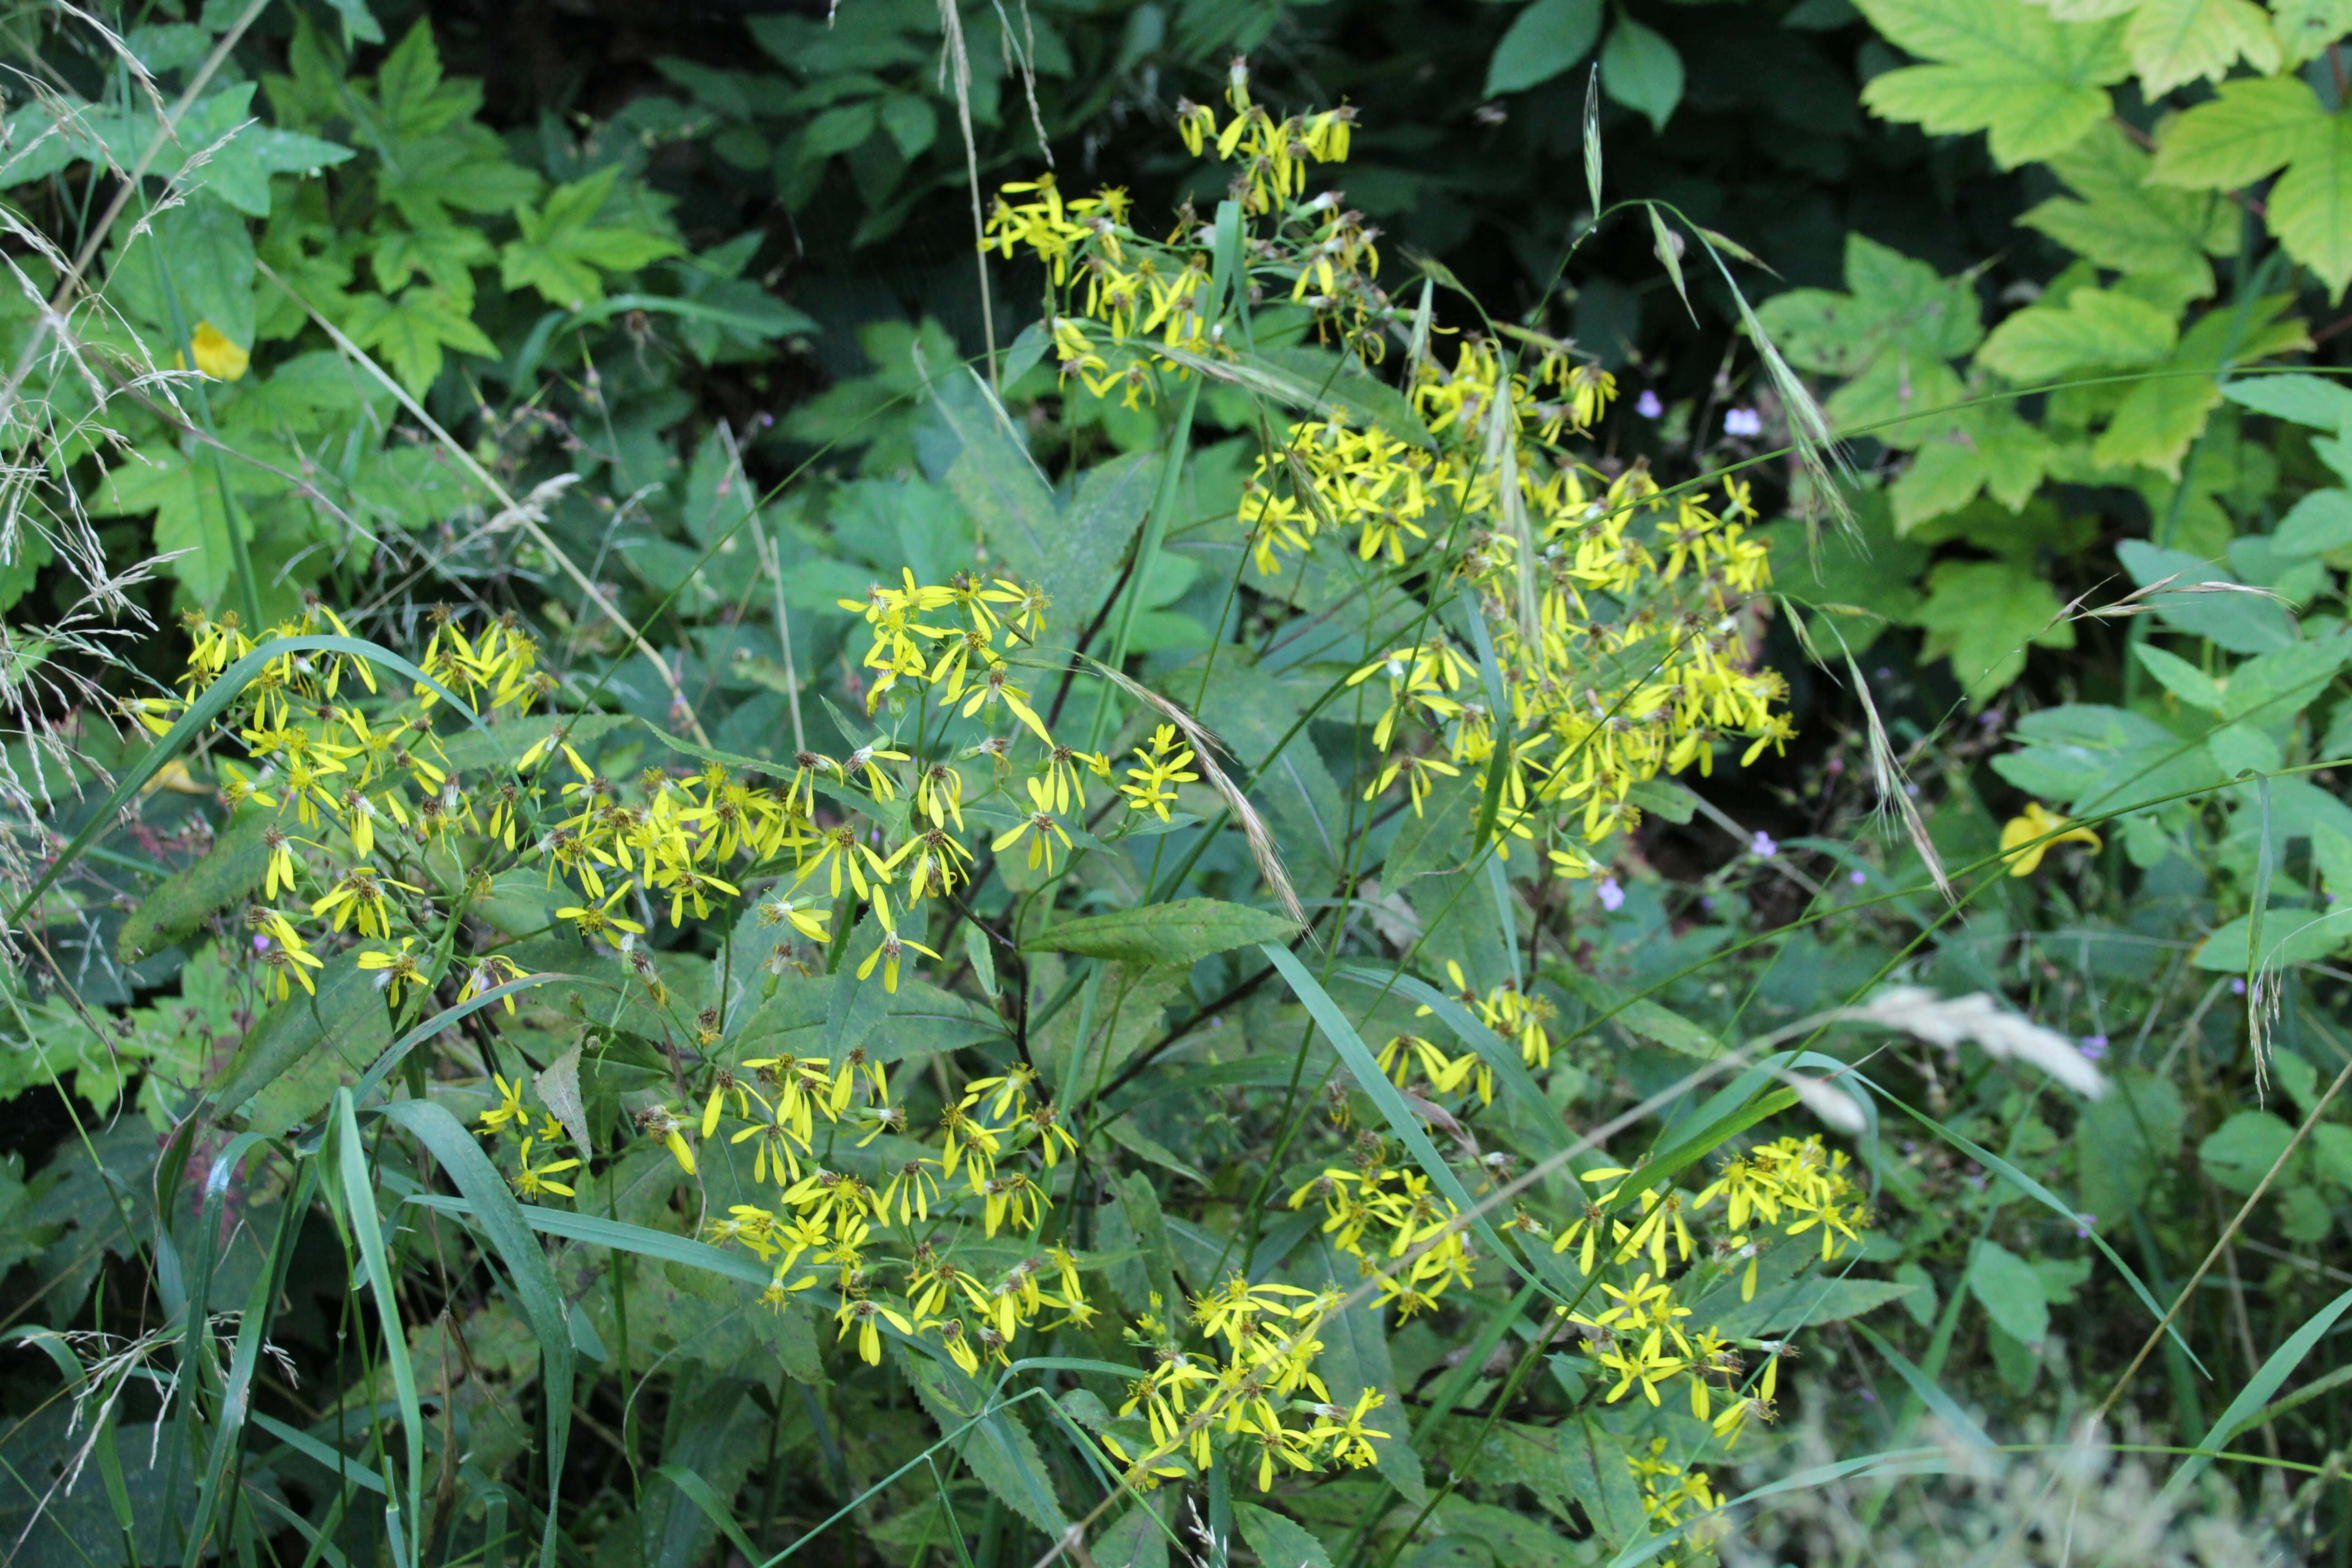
{"x": 2176, "y": 41}
{"x": 2036, "y": 84}
{"x": 2092, "y": 327}
{"x": 2310, "y": 207}
{"x": 179, "y": 903}
{"x": 2248, "y": 129}
{"x": 411, "y": 332}
{"x": 1983, "y": 616}
{"x": 1278, "y": 1542}
{"x": 1181, "y": 933}
{"x": 2119, "y": 220}
{"x": 563, "y": 252}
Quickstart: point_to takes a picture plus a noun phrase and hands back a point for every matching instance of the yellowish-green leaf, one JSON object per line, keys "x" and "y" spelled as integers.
{"x": 2034, "y": 83}
{"x": 2311, "y": 206}
{"x": 1983, "y": 616}
{"x": 2249, "y": 128}
{"x": 2176, "y": 41}
{"x": 2305, "y": 28}
{"x": 1183, "y": 933}
{"x": 2118, "y": 220}
{"x": 2093, "y": 327}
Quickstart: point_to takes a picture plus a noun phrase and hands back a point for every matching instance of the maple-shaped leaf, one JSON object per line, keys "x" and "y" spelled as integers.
{"x": 2120, "y": 222}
{"x": 563, "y": 252}
{"x": 1989, "y": 450}
{"x": 1983, "y": 616}
{"x": 2161, "y": 415}
{"x": 446, "y": 252}
{"x": 2253, "y": 127}
{"x": 190, "y": 524}
{"x": 1893, "y": 336}
{"x": 2034, "y": 83}
{"x": 412, "y": 330}
{"x": 414, "y": 100}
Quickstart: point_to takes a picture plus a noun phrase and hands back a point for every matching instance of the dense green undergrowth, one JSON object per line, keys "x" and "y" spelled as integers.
{"x": 1310, "y": 783}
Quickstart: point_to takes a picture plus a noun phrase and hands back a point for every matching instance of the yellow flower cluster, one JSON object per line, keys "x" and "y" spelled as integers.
{"x": 838, "y": 1220}
{"x": 1151, "y": 295}
{"x": 1375, "y": 1210}
{"x": 1601, "y": 697}
{"x": 1243, "y": 1390}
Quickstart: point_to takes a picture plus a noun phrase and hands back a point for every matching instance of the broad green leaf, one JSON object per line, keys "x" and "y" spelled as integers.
{"x": 2241, "y": 622}
{"x": 1642, "y": 71}
{"x": 2182, "y": 679}
{"x": 2093, "y": 327}
{"x": 2289, "y": 936}
{"x": 2176, "y": 41}
{"x": 178, "y": 904}
{"x": 1179, "y": 933}
{"x": 2124, "y": 1139}
{"x": 563, "y": 251}
{"x": 1983, "y": 616}
{"x": 1355, "y": 1358}
{"x": 291, "y": 1063}
{"x": 2241, "y": 1151}
{"x": 2035, "y": 83}
{"x": 2011, "y": 1293}
{"x": 1867, "y": 572}
{"x": 1893, "y": 302}
{"x": 1278, "y": 1542}
{"x": 2316, "y": 400}
{"x": 2249, "y": 128}
{"x": 1989, "y": 450}
{"x": 1543, "y": 40}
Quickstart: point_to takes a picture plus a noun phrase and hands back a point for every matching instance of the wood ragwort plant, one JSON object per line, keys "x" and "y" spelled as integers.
{"x": 1058, "y": 1016}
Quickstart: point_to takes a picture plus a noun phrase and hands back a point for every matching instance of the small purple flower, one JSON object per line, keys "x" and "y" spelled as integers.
{"x": 1762, "y": 846}
{"x": 2085, "y": 1224}
{"x": 1857, "y": 875}
{"x": 2092, "y": 1046}
{"x": 2237, "y": 988}
{"x": 1742, "y": 422}
{"x": 1612, "y": 897}
{"x": 1647, "y": 405}
{"x": 260, "y": 943}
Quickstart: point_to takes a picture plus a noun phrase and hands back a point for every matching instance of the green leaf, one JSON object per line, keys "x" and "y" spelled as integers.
{"x": 2313, "y": 400}
{"x": 2119, "y": 220}
{"x": 2310, "y": 207}
{"x": 2180, "y": 677}
{"x": 1543, "y": 40}
{"x": 2241, "y": 1151}
{"x": 289, "y": 1063}
{"x": 2011, "y": 1293}
{"x": 1803, "y": 1303}
{"x": 178, "y": 904}
{"x": 1646, "y": 1018}
{"x": 2094, "y": 328}
{"x": 2250, "y": 126}
{"x": 1277, "y": 1542}
{"x": 1355, "y": 1358}
{"x": 1642, "y": 71}
{"x": 412, "y": 330}
{"x": 563, "y": 251}
{"x": 2175, "y": 41}
{"x": 2241, "y": 622}
{"x": 447, "y": 254}
{"x": 1891, "y": 335}
{"x": 1181, "y": 933}
{"x": 2035, "y": 83}
{"x": 1983, "y": 616}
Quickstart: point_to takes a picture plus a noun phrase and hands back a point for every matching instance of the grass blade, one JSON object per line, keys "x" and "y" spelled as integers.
{"x": 2244, "y": 1410}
